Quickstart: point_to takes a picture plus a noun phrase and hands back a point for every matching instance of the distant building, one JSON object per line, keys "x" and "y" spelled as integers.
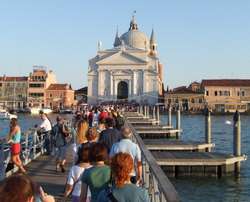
{"x": 130, "y": 71}
{"x": 187, "y": 98}
{"x": 39, "y": 80}
{"x": 81, "y": 95}
{"x": 59, "y": 96}
{"x": 227, "y": 95}
{"x": 13, "y": 92}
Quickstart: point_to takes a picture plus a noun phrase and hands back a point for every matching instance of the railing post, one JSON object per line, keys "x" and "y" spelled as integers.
{"x": 2, "y": 159}
{"x": 34, "y": 144}
{"x": 169, "y": 116}
{"x": 178, "y": 122}
{"x": 208, "y": 135}
{"x": 237, "y": 139}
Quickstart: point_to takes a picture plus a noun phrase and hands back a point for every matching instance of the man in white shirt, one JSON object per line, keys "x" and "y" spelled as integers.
{"x": 126, "y": 145}
{"x": 45, "y": 129}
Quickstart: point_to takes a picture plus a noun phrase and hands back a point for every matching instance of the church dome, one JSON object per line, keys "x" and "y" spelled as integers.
{"x": 135, "y": 39}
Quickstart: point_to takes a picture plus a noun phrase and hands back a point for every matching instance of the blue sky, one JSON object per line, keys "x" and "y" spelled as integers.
{"x": 196, "y": 39}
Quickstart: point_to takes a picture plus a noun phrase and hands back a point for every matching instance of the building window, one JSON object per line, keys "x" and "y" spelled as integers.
{"x": 215, "y": 93}
{"x": 192, "y": 100}
{"x": 200, "y": 100}
{"x": 36, "y": 85}
{"x": 243, "y": 93}
{"x": 238, "y": 93}
{"x": 207, "y": 93}
{"x": 50, "y": 95}
{"x": 220, "y": 93}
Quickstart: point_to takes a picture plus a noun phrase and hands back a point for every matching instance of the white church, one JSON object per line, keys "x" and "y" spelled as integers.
{"x": 130, "y": 71}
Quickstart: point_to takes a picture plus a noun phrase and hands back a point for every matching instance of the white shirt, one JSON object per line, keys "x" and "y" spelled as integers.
{"x": 127, "y": 146}
{"x": 74, "y": 174}
{"x": 46, "y": 125}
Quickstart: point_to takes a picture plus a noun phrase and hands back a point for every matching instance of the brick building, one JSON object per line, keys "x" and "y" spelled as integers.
{"x": 59, "y": 96}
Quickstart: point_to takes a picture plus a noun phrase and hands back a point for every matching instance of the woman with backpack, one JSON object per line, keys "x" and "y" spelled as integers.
{"x": 61, "y": 134}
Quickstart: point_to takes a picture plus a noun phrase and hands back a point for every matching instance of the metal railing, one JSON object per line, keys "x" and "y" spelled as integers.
{"x": 159, "y": 187}
{"x": 32, "y": 146}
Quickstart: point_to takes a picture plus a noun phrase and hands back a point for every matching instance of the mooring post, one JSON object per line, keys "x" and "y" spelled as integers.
{"x": 169, "y": 116}
{"x": 158, "y": 114}
{"x": 141, "y": 110}
{"x": 154, "y": 112}
{"x": 178, "y": 122}
{"x": 208, "y": 135}
{"x": 237, "y": 139}
{"x": 145, "y": 111}
{"x": 148, "y": 112}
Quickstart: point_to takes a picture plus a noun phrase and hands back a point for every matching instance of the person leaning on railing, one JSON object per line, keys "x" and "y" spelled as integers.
{"x": 45, "y": 129}
{"x": 122, "y": 190}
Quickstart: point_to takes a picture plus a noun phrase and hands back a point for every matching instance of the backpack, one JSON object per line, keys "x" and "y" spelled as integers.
{"x": 119, "y": 121}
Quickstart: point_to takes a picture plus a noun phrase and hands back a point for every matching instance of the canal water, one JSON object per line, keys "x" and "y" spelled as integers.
{"x": 195, "y": 189}
{"x": 228, "y": 189}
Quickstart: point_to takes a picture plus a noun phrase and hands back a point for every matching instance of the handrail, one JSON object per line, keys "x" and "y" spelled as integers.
{"x": 30, "y": 142}
{"x": 159, "y": 186}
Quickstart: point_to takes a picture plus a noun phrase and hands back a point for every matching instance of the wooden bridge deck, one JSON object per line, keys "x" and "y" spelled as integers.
{"x": 195, "y": 158}
{"x": 175, "y": 145}
{"x": 43, "y": 172}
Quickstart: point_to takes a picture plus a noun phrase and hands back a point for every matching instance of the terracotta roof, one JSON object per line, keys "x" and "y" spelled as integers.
{"x": 226, "y": 82}
{"x": 13, "y": 78}
{"x": 182, "y": 90}
{"x": 59, "y": 87}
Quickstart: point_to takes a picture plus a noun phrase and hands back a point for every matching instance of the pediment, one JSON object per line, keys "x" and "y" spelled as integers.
{"x": 122, "y": 58}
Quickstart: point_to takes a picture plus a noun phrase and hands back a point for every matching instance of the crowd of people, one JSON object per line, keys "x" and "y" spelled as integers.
{"x": 106, "y": 163}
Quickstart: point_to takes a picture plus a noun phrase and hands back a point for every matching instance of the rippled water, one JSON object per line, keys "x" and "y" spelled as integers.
{"x": 194, "y": 188}
{"x": 212, "y": 189}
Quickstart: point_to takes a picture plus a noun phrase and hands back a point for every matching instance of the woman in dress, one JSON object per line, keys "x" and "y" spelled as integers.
{"x": 14, "y": 138}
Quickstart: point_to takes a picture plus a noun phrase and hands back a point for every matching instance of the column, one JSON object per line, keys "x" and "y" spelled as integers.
{"x": 134, "y": 83}
{"x": 111, "y": 84}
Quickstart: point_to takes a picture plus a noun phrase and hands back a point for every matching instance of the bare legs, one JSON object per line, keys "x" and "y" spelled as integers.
{"x": 17, "y": 161}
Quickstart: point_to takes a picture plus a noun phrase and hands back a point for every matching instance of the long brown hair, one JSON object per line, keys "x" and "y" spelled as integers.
{"x": 13, "y": 124}
{"x": 17, "y": 188}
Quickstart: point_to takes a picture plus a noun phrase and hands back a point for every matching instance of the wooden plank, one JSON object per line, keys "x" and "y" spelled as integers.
{"x": 195, "y": 158}
{"x": 43, "y": 171}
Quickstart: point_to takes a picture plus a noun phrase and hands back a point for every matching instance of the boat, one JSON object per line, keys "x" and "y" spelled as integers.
{"x": 5, "y": 115}
{"x": 36, "y": 110}
{"x": 66, "y": 111}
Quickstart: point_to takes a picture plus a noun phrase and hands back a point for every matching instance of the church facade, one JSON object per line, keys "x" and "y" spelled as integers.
{"x": 130, "y": 71}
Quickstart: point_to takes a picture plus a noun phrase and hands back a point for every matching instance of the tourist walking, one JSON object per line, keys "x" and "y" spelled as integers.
{"x": 126, "y": 145}
{"x": 14, "y": 138}
{"x": 60, "y": 133}
{"x": 81, "y": 131}
{"x": 111, "y": 135}
{"x": 74, "y": 183}
{"x": 98, "y": 176}
{"x": 123, "y": 190}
